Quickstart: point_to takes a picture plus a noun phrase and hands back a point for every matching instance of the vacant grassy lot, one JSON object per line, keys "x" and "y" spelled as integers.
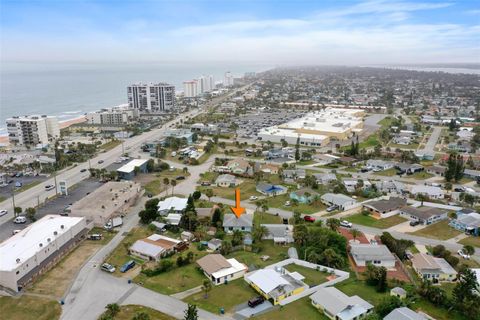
{"x": 266, "y": 218}
{"x": 154, "y": 187}
{"x": 129, "y": 311}
{"x": 473, "y": 241}
{"x": 110, "y": 145}
{"x": 279, "y": 201}
{"x": 410, "y": 146}
{"x": 120, "y": 255}
{"x": 313, "y": 277}
{"x": 353, "y": 286}
{"x": 376, "y": 223}
{"x": 225, "y": 296}
{"x": 275, "y": 252}
{"x": 29, "y": 308}
{"x": 247, "y": 189}
{"x": 56, "y": 281}
{"x": 440, "y": 230}
{"x": 388, "y": 173}
{"x": 421, "y": 175}
{"x": 298, "y": 310}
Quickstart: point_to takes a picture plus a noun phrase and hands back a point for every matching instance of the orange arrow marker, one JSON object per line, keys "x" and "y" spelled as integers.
{"x": 237, "y": 210}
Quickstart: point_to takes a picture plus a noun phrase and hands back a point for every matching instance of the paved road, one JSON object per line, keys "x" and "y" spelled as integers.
{"x": 372, "y": 120}
{"x": 432, "y": 141}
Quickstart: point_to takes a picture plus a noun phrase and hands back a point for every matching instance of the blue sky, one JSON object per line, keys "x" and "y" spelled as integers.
{"x": 283, "y": 32}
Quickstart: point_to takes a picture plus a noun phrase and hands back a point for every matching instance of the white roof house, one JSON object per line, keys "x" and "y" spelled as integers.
{"x": 430, "y": 191}
{"x": 21, "y": 254}
{"x": 338, "y": 305}
{"x": 342, "y": 201}
{"x": 173, "y": 219}
{"x": 378, "y": 255}
{"x": 404, "y": 313}
{"x": 267, "y": 280}
{"x": 153, "y": 247}
{"x": 172, "y": 205}
{"x": 130, "y": 166}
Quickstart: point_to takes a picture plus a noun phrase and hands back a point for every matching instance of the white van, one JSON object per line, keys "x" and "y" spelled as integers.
{"x": 20, "y": 219}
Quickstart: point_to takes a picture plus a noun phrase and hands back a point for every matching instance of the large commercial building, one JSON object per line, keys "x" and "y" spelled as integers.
{"x": 110, "y": 200}
{"x": 317, "y": 128}
{"x": 228, "y": 79}
{"x": 193, "y": 88}
{"x": 113, "y": 117}
{"x": 36, "y": 248}
{"x": 32, "y": 130}
{"x": 159, "y": 97}
{"x": 190, "y": 89}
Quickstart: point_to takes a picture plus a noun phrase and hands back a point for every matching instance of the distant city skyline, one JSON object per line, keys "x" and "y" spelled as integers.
{"x": 292, "y": 33}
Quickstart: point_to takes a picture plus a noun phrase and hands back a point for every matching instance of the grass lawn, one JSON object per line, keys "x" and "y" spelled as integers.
{"x": 388, "y": 173}
{"x": 247, "y": 189}
{"x": 224, "y": 296}
{"x": 279, "y": 201}
{"x": 376, "y": 223}
{"x": 2, "y": 199}
{"x": 107, "y": 235}
{"x": 27, "y": 186}
{"x": 313, "y": 277}
{"x": 208, "y": 176}
{"x": 129, "y": 311}
{"x": 110, "y": 145}
{"x": 353, "y": 286}
{"x": 473, "y": 241}
{"x": 154, "y": 187}
{"x": 421, "y": 175}
{"x": 29, "y": 308}
{"x": 298, "y": 310}
{"x": 411, "y": 146}
{"x": 386, "y": 122}
{"x": 275, "y": 252}
{"x": 305, "y": 162}
{"x": 266, "y": 218}
{"x": 371, "y": 141}
{"x": 120, "y": 255}
{"x": 440, "y": 230}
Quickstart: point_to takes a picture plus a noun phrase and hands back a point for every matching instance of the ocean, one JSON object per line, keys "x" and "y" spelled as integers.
{"x": 69, "y": 90}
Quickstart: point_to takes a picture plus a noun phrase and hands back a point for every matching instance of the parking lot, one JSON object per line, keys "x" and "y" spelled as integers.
{"x": 250, "y": 123}
{"x": 54, "y": 206}
{"x": 25, "y": 181}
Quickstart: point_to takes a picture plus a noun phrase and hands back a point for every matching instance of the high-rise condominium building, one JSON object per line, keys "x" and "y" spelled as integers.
{"x": 151, "y": 97}
{"x": 113, "y": 117}
{"x": 32, "y": 130}
{"x": 190, "y": 89}
{"x": 228, "y": 79}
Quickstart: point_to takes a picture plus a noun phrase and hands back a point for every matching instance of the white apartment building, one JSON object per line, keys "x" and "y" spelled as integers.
{"x": 36, "y": 248}
{"x": 190, "y": 89}
{"x": 228, "y": 79}
{"x": 32, "y": 130}
{"x": 151, "y": 97}
{"x": 113, "y": 117}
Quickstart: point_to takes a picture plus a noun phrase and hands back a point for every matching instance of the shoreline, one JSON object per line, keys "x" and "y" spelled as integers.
{"x": 62, "y": 125}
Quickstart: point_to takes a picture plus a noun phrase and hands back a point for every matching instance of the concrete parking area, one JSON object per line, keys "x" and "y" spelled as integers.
{"x": 406, "y": 227}
{"x": 53, "y": 206}
{"x": 243, "y": 311}
{"x": 6, "y": 191}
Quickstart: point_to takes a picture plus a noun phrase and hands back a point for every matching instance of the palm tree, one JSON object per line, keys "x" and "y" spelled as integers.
{"x": 141, "y": 316}
{"x": 173, "y": 183}
{"x": 333, "y": 223}
{"x": 206, "y": 287}
{"x": 166, "y": 182}
{"x": 185, "y": 170}
{"x": 209, "y": 193}
{"x": 259, "y": 232}
{"x": 113, "y": 309}
{"x": 355, "y": 233}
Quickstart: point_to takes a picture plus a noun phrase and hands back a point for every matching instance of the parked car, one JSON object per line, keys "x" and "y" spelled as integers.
{"x": 107, "y": 268}
{"x": 309, "y": 219}
{"x": 95, "y": 236}
{"x": 14, "y": 232}
{"x": 345, "y": 224}
{"x": 3, "y": 212}
{"x": 252, "y": 303}
{"x": 287, "y": 203}
{"x": 127, "y": 266}
{"x": 49, "y": 187}
{"x": 205, "y": 183}
{"x": 253, "y": 198}
{"x": 20, "y": 219}
{"x": 463, "y": 254}
{"x": 83, "y": 170}
{"x": 100, "y": 161}
{"x": 64, "y": 214}
{"x": 180, "y": 178}
{"x": 331, "y": 208}
{"x": 414, "y": 223}
{"x": 18, "y": 184}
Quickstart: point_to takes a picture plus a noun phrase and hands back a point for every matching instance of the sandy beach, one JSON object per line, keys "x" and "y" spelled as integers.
{"x": 61, "y": 124}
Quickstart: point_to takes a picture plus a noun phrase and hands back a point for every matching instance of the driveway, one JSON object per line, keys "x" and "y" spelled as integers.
{"x": 406, "y": 227}
{"x": 432, "y": 141}
{"x": 244, "y": 311}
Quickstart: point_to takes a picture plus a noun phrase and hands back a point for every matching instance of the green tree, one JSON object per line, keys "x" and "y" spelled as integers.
{"x": 217, "y": 217}
{"x": 259, "y": 232}
{"x": 113, "y": 309}
{"x": 30, "y": 213}
{"x": 209, "y": 193}
{"x": 468, "y": 249}
{"x": 206, "y": 287}
{"x": 226, "y": 247}
{"x": 173, "y": 183}
{"x": 17, "y": 210}
{"x": 237, "y": 238}
{"x": 387, "y": 305}
{"x": 355, "y": 233}
{"x": 297, "y": 149}
{"x": 141, "y": 316}
{"x": 333, "y": 223}
{"x": 150, "y": 165}
{"x": 191, "y": 313}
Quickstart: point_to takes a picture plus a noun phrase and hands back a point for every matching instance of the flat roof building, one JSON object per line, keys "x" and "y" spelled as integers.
{"x": 220, "y": 270}
{"x": 38, "y": 247}
{"x": 127, "y": 171}
{"x": 154, "y": 247}
{"x": 30, "y": 131}
{"x": 111, "y": 199}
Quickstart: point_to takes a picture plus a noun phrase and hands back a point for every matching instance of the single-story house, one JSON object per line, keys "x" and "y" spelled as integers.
{"x": 154, "y": 247}
{"x": 342, "y": 201}
{"x": 424, "y": 215}
{"x": 127, "y": 171}
{"x": 404, "y": 313}
{"x": 304, "y": 195}
{"x": 325, "y": 178}
{"x": 226, "y": 181}
{"x": 398, "y": 292}
{"x": 384, "y": 208}
{"x": 429, "y": 191}
{"x": 220, "y": 270}
{"x": 239, "y": 166}
{"x": 271, "y": 190}
{"x": 269, "y": 168}
{"x": 402, "y": 140}
{"x": 407, "y": 168}
{"x": 273, "y": 285}
{"x": 294, "y": 174}
{"x": 433, "y": 269}
{"x": 467, "y": 222}
{"x": 214, "y": 244}
{"x": 350, "y": 184}
{"x": 392, "y": 186}
{"x": 279, "y": 233}
{"x": 243, "y": 223}
{"x": 379, "y": 164}
{"x": 187, "y": 236}
{"x": 471, "y": 174}
{"x": 161, "y": 227}
{"x": 173, "y": 219}
{"x": 437, "y": 170}
{"x": 336, "y": 305}
{"x": 172, "y": 205}
{"x": 378, "y": 255}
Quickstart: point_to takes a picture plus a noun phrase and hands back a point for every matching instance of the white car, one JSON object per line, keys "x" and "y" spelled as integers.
{"x": 345, "y": 224}
{"x": 253, "y": 198}
{"x": 3, "y": 212}
{"x": 107, "y": 268}
{"x": 463, "y": 254}
{"x": 20, "y": 219}
{"x": 49, "y": 187}
{"x": 14, "y": 232}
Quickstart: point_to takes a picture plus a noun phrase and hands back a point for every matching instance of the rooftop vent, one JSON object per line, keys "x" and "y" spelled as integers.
{"x": 55, "y": 233}
{"x": 48, "y": 240}
{"x": 40, "y": 245}
{"x": 62, "y": 227}
{"x": 18, "y": 260}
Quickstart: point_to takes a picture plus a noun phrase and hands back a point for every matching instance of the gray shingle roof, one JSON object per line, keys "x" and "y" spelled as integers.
{"x": 371, "y": 252}
{"x": 231, "y": 220}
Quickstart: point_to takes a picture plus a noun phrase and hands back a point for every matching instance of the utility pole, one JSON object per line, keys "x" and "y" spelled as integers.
{"x": 13, "y": 201}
